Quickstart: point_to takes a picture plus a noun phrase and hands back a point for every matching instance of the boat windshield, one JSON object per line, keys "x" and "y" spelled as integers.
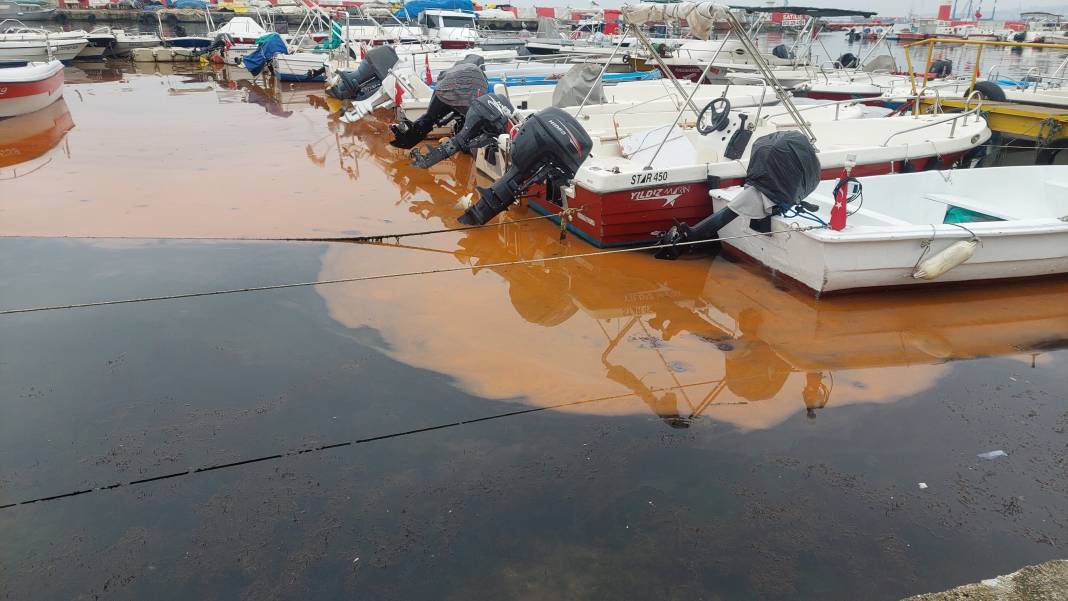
{"x": 457, "y": 22}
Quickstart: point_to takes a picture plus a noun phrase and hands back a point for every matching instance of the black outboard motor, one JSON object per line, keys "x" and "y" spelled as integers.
{"x": 782, "y": 51}
{"x": 490, "y": 115}
{"x": 783, "y": 167}
{"x": 550, "y": 146}
{"x": 848, "y": 61}
{"x": 942, "y": 67}
{"x": 367, "y": 78}
{"x": 457, "y": 87}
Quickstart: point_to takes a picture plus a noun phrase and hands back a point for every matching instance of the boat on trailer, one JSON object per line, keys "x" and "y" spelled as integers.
{"x": 904, "y": 220}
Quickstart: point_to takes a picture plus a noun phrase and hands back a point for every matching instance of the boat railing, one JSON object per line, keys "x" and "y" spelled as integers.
{"x": 962, "y": 118}
{"x": 763, "y": 91}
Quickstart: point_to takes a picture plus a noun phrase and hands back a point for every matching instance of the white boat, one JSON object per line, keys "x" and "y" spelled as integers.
{"x": 452, "y": 29}
{"x": 30, "y": 88}
{"x": 126, "y": 41}
{"x": 101, "y": 43}
{"x": 20, "y": 44}
{"x": 1019, "y": 216}
{"x": 301, "y": 66}
{"x": 25, "y": 11}
{"x": 242, "y": 30}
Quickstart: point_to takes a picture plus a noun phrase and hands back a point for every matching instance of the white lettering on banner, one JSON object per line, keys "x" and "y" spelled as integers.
{"x": 669, "y": 194}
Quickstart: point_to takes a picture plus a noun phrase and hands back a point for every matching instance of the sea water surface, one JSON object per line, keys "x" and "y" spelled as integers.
{"x": 602, "y": 427}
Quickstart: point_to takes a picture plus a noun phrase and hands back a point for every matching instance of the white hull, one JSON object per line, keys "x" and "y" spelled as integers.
{"x": 297, "y": 66}
{"x": 883, "y": 242}
{"x": 30, "y": 88}
{"x": 35, "y": 50}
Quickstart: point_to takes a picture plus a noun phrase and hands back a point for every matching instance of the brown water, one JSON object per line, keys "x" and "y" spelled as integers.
{"x": 692, "y": 349}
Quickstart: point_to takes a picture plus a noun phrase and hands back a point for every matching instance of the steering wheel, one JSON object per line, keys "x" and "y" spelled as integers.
{"x": 718, "y": 119}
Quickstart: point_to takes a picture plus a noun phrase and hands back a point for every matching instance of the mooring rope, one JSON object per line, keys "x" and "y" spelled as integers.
{"x": 338, "y": 445}
{"x": 372, "y": 239}
{"x": 386, "y": 276}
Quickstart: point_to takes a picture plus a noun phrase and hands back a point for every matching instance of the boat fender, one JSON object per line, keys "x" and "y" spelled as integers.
{"x": 740, "y": 140}
{"x": 934, "y": 163}
{"x": 907, "y": 166}
{"x": 947, "y": 259}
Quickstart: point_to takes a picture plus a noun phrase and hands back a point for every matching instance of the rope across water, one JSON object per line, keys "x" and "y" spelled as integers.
{"x": 385, "y": 276}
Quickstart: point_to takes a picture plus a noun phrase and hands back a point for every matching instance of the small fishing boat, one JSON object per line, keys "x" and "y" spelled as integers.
{"x": 30, "y": 88}
{"x": 914, "y": 229}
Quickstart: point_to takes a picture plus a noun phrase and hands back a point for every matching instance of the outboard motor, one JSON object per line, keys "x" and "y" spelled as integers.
{"x": 490, "y": 115}
{"x": 848, "y": 61}
{"x": 782, "y": 51}
{"x": 457, "y": 87}
{"x": 367, "y": 78}
{"x": 942, "y": 67}
{"x": 550, "y": 146}
{"x": 783, "y": 169}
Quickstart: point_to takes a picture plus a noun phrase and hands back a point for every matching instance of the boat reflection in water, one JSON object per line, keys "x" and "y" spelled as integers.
{"x": 27, "y": 141}
{"x": 694, "y": 338}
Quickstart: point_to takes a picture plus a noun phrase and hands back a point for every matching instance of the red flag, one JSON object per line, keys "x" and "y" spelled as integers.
{"x": 838, "y": 211}
{"x": 363, "y": 52}
{"x": 398, "y": 95}
{"x": 429, "y": 78}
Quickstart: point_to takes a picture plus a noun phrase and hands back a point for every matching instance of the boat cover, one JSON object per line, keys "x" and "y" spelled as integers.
{"x": 266, "y": 47}
{"x": 784, "y": 166}
{"x": 581, "y": 80}
{"x": 413, "y": 8}
{"x": 700, "y": 16}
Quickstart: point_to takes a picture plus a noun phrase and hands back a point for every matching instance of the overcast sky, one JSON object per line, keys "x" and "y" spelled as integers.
{"x": 889, "y": 8}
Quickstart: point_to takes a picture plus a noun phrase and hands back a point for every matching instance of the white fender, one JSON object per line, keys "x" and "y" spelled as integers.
{"x": 940, "y": 263}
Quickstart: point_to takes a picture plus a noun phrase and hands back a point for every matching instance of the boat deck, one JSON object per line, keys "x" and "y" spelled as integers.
{"x": 1027, "y": 121}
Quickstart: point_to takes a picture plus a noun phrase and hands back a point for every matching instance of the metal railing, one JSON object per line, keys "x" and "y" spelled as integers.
{"x": 954, "y": 119}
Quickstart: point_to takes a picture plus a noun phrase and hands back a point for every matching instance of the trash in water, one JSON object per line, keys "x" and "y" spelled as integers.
{"x": 992, "y": 454}
{"x": 922, "y": 485}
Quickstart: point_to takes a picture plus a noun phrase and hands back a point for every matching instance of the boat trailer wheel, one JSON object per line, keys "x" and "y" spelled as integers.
{"x": 717, "y": 120}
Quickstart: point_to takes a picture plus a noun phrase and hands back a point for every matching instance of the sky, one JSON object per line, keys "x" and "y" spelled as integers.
{"x": 888, "y": 8}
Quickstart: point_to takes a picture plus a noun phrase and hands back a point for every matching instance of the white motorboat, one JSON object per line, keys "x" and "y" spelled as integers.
{"x": 26, "y": 11}
{"x": 101, "y": 43}
{"x": 452, "y": 29}
{"x": 30, "y": 88}
{"x": 126, "y": 41}
{"x": 20, "y": 44}
{"x": 908, "y": 226}
{"x": 242, "y": 30}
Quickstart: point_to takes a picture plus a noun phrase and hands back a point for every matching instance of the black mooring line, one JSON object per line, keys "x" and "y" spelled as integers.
{"x": 325, "y": 447}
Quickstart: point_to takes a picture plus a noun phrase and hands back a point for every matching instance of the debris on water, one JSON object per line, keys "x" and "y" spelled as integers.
{"x": 992, "y": 454}
{"x": 355, "y": 560}
{"x": 922, "y": 485}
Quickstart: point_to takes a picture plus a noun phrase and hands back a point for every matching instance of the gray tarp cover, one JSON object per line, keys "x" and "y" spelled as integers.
{"x": 576, "y": 83}
{"x": 783, "y": 166}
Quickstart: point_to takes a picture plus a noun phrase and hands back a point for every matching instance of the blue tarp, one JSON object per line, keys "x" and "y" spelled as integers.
{"x": 197, "y": 4}
{"x": 414, "y": 8}
{"x": 266, "y": 47}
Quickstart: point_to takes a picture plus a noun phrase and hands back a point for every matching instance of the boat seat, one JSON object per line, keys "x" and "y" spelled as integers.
{"x": 971, "y": 204}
